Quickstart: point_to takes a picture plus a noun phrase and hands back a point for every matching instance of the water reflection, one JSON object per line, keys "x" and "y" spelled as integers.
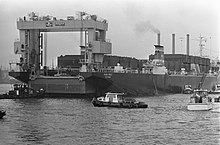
{"x": 31, "y": 124}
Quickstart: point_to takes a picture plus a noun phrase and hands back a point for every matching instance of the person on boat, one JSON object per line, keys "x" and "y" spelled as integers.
{"x": 217, "y": 99}
{"x": 201, "y": 98}
{"x": 209, "y": 99}
{"x": 197, "y": 97}
{"x": 192, "y": 99}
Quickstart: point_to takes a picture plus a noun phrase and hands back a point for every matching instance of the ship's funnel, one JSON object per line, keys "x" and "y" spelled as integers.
{"x": 158, "y": 38}
{"x": 173, "y": 43}
{"x": 187, "y": 44}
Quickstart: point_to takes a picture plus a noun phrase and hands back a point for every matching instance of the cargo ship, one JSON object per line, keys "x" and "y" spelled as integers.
{"x": 95, "y": 71}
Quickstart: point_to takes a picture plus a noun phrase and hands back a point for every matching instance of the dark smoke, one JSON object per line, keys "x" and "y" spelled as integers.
{"x": 144, "y": 27}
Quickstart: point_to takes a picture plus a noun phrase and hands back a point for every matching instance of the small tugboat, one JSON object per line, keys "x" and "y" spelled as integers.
{"x": 117, "y": 100}
{"x": 2, "y": 113}
{"x": 200, "y": 101}
{"x": 187, "y": 89}
{"x": 22, "y": 91}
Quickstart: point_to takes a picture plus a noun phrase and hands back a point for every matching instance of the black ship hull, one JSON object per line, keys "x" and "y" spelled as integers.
{"x": 138, "y": 84}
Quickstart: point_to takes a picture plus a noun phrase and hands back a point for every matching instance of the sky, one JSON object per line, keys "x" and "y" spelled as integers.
{"x": 132, "y": 25}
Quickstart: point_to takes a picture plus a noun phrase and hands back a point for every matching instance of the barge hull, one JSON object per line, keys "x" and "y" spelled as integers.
{"x": 131, "y": 83}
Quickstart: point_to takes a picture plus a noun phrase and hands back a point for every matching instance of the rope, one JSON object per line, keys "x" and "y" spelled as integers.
{"x": 155, "y": 86}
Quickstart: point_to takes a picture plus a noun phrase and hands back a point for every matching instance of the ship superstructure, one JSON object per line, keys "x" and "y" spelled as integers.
{"x": 33, "y": 28}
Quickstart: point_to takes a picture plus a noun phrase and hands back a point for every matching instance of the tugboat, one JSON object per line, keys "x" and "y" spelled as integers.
{"x": 2, "y": 113}
{"x": 22, "y": 91}
{"x": 117, "y": 100}
{"x": 200, "y": 101}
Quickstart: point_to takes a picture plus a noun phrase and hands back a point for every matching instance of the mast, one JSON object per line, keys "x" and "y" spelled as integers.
{"x": 81, "y": 29}
{"x": 201, "y": 45}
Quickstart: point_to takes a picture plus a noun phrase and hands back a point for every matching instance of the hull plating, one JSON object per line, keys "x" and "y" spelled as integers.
{"x": 62, "y": 85}
{"x": 131, "y": 83}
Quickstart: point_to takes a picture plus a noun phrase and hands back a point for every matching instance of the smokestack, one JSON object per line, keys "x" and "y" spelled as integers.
{"x": 158, "y": 38}
{"x": 187, "y": 44}
{"x": 173, "y": 43}
{"x": 45, "y": 49}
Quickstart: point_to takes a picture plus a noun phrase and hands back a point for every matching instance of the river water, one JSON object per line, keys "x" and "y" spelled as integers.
{"x": 76, "y": 121}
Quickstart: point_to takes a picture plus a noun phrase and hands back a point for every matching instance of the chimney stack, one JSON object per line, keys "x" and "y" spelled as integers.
{"x": 187, "y": 44}
{"x": 173, "y": 43}
{"x": 158, "y": 38}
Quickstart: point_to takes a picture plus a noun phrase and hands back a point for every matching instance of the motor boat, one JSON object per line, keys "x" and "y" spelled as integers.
{"x": 117, "y": 100}
{"x": 215, "y": 89}
{"x": 200, "y": 101}
{"x": 2, "y": 113}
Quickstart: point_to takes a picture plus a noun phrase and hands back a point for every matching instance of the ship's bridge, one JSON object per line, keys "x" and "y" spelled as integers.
{"x": 32, "y": 30}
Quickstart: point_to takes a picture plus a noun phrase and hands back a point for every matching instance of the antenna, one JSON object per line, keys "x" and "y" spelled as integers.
{"x": 52, "y": 64}
{"x": 201, "y": 44}
{"x": 181, "y": 42}
{"x": 210, "y": 47}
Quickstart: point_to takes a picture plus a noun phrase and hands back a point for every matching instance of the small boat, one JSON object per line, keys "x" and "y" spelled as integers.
{"x": 215, "y": 101}
{"x": 117, "y": 100}
{"x": 2, "y": 113}
{"x": 22, "y": 91}
{"x": 200, "y": 101}
{"x": 187, "y": 89}
{"x": 215, "y": 89}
